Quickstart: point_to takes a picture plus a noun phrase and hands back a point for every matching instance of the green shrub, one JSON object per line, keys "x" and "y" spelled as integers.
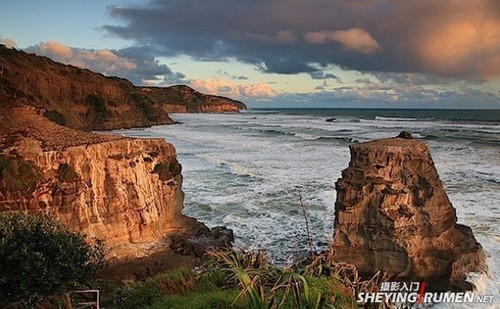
{"x": 55, "y": 116}
{"x": 216, "y": 299}
{"x": 263, "y": 285}
{"x": 98, "y": 104}
{"x": 183, "y": 280}
{"x": 18, "y": 175}
{"x": 40, "y": 257}
{"x": 66, "y": 172}
{"x": 97, "y": 111}
{"x": 145, "y": 104}
{"x": 167, "y": 171}
{"x": 180, "y": 288}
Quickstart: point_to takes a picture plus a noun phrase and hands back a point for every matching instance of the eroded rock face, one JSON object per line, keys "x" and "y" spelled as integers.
{"x": 123, "y": 190}
{"x": 392, "y": 214}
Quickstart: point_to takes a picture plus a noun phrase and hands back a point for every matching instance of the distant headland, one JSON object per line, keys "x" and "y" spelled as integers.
{"x": 82, "y": 99}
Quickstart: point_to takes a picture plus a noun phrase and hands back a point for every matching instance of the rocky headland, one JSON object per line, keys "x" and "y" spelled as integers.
{"x": 82, "y": 99}
{"x": 183, "y": 99}
{"x": 120, "y": 189}
{"x": 125, "y": 191}
{"x": 393, "y": 215}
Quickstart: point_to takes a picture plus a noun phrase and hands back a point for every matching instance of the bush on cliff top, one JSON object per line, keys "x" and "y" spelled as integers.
{"x": 40, "y": 257}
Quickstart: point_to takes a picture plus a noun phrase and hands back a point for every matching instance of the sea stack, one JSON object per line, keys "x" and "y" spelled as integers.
{"x": 393, "y": 215}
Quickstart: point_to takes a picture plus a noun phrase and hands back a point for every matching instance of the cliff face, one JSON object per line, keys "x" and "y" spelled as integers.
{"x": 122, "y": 190}
{"x": 74, "y": 97}
{"x": 81, "y": 99}
{"x": 183, "y": 99}
{"x": 393, "y": 215}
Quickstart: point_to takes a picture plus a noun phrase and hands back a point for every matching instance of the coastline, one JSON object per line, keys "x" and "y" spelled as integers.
{"x": 233, "y": 152}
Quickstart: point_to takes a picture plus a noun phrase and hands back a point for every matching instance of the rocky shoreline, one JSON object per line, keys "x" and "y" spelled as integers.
{"x": 391, "y": 212}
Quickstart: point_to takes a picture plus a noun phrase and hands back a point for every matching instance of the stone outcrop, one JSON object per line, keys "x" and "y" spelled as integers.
{"x": 123, "y": 190}
{"x": 392, "y": 214}
{"x": 198, "y": 243}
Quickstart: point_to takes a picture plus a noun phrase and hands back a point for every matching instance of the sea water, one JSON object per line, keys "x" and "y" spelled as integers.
{"x": 249, "y": 171}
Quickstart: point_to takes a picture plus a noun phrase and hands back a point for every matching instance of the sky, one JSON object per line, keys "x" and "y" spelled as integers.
{"x": 278, "y": 53}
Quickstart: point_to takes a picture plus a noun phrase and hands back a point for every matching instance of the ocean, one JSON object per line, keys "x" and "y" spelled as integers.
{"x": 248, "y": 171}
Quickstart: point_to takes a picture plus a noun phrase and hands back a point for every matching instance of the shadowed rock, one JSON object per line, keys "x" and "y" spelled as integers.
{"x": 204, "y": 238}
{"x": 405, "y": 134}
{"x": 392, "y": 214}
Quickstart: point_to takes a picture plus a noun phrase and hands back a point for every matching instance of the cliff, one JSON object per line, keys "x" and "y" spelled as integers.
{"x": 123, "y": 190}
{"x": 81, "y": 99}
{"x": 392, "y": 214}
{"x": 183, "y": 99}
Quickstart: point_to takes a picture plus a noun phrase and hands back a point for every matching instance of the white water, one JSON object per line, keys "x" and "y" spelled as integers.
{"x": 246, "y": 171}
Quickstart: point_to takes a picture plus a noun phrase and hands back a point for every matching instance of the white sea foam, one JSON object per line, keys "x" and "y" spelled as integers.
{"x": 246, "y": 171}
{"x": 381, "y": 118}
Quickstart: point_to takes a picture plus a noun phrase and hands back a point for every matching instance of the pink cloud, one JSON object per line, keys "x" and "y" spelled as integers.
{"x": 9, "y": 43}
{"x": 103, "y": 60}
{"x": 354, "y": 39}
{"x": 56, "y": 50}
{"x": 230, "y": 88}
{"x": 471, "y": 44}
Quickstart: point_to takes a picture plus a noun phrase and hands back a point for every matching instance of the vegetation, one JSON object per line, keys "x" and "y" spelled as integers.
{"x": 97, "y": 103}
{"x": 40, "y": 258}
{"x": 238, "y": 279}
{"x": 145, "y": 105}
{"x": 231, "y": 278}
{"x": 263, "y": 285}
{"x": 184, "y": 287}
{"x": 167, "y": 171}
{"x": 97, "y": 109}
{"x": 55, "y": 116}
{"x": 16, "y": 174}
{"x": 66, "y": 172}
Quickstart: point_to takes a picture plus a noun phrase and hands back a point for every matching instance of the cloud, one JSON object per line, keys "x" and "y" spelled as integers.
{"x": 378, "y": 96}
{"x": 283, "y": 37}
{"x": 232, "y": 76}
{"x": 323, "y": 86}
{"x": 322, "y": 75}
{"x": 138, "y": 64}
{"x": 354, "y": 39}
{"x": 9, "y": 43}
{"x": 232, "y": 89}
{"x": 462, "y": 46}
{"x": 447, "y": 38}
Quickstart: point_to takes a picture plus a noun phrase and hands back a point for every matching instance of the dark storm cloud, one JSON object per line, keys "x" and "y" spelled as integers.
{"x": 148, "y": 67}
{"x": 450, "y": 38}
